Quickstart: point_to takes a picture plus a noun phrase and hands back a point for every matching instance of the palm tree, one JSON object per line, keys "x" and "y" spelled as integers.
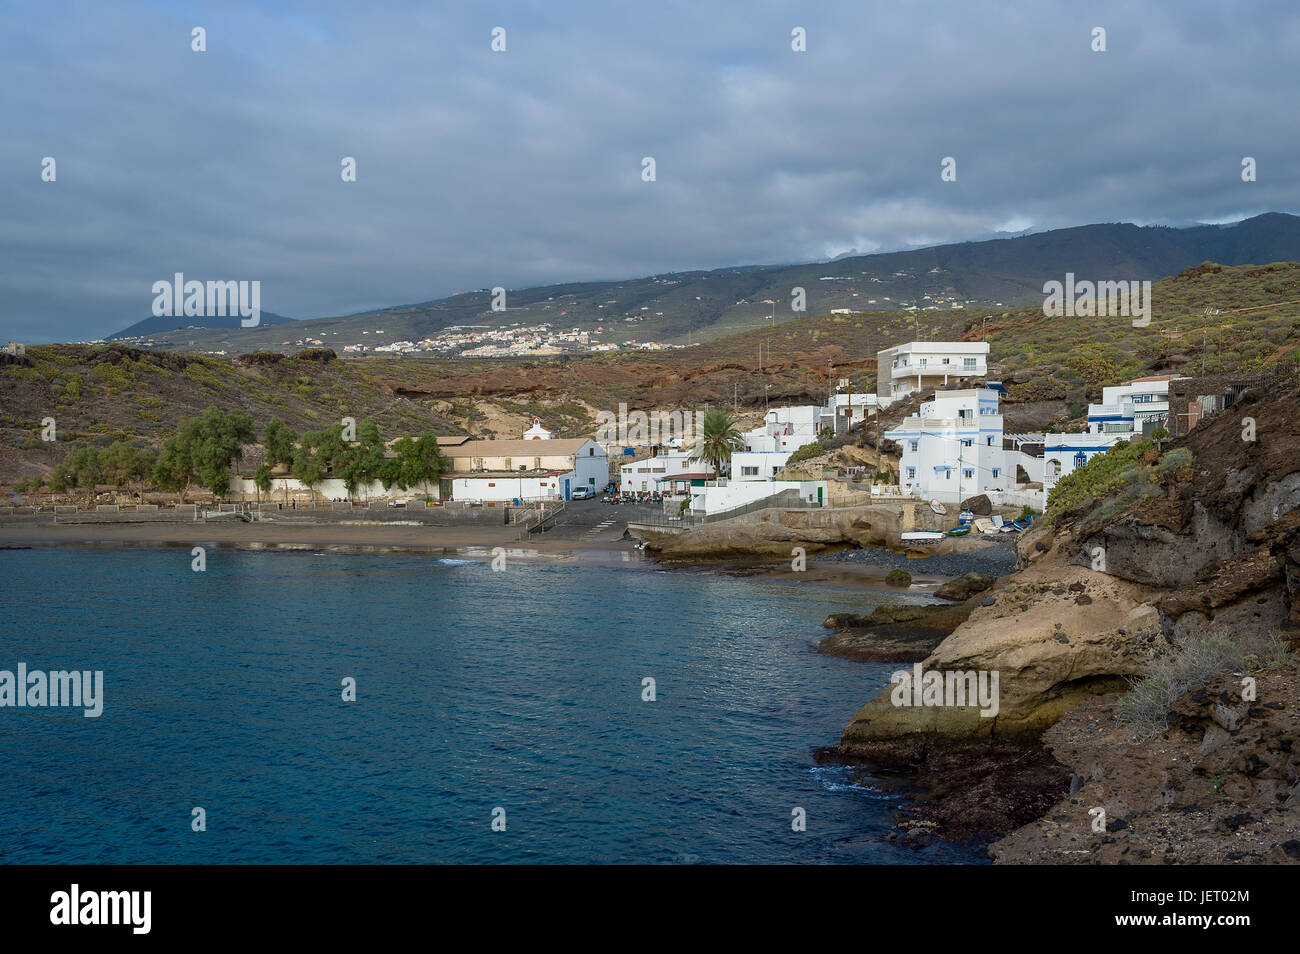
{"x": 719, "y": 438}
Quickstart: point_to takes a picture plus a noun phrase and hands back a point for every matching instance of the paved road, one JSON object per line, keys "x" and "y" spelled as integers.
{"x": 593, "y": 521}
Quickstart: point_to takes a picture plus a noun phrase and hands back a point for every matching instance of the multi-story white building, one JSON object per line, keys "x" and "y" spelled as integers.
{"x": 785, "y": 429}
{"x": 844, "y": 411}
{"x": 651, "y": 474}
{"x": 953, "y": 448}
{"x": 920, "y": 365}
{"x": 1130, "y": 408}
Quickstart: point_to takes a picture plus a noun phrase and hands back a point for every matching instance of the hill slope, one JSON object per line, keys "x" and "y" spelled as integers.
{"x": 702, "y": 305}
{"x": 154, "y": 325}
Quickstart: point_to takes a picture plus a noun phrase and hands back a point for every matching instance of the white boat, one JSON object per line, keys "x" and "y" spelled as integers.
{"x": 923, "y": 536}
{"x": 938, "y": 508}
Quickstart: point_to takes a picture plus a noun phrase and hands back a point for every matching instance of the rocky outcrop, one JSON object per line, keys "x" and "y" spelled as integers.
{"x": 965, "y": 586}
{"x": 1221, "y": 786}
{"x": 774, "y": 532}
{"x": 894, "y": 632}
{"x": 1214, "y": 550}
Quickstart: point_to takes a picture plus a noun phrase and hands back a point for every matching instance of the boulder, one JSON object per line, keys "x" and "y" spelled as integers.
{"x": 964, "y": 586}
{"x": 980, "y": 505}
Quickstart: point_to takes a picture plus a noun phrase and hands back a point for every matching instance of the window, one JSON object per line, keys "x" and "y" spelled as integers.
{"x": 968, "y": 442}
{"x": 591, "y": 452}
{"x": 911, "y": 473}
{"x": 537, "y": 463}
{"x": 997, "y": 471}
{"x": 968, "y": 364}
{"x": 749, "y": 471}
{"x": 507, "y": 464}
{"x": 912, "y": 445}
{"x": 967, "y": 472}
{"x": 988, "y": 441}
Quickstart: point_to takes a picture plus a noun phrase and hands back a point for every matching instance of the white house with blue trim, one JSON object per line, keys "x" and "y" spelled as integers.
{"x": 1128, "y": 409}
{"x": 1065, "y": 453}
{"x": 953, "y": 448}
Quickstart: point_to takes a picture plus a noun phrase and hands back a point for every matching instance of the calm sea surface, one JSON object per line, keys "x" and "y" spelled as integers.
{"x": 475, "y": 690}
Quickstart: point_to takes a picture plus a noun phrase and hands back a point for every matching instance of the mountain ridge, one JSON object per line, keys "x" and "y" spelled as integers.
{"x": 700, "y": 304}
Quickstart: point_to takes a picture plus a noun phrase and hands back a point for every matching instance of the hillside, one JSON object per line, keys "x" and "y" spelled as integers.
{"x": 1239, "y": 319}
{"x": 703, "y": 305}
{"x": 154, "y": 325}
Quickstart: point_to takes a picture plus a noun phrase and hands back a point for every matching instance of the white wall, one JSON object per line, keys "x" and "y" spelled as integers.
{"x": 766, "y": 464}
{"x": 330, "y": 489}
{"x": 509, "y": 488}
{"x": 740, "y": 492}
{"x": 591, "y": 467}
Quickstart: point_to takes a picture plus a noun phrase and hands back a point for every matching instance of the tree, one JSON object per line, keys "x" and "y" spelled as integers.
{"x": 719, "y": 439}
{"x": 124, "y": 463}
{"x": 279, "y": 442}
{"x": 82, "y": 469}
{"x": 416, "y": 463}
{"x": 262, "y": 481}
{"x": 202, "y": 450}
{"x": 361, "y": 462}
{"x": 316, "y": 455}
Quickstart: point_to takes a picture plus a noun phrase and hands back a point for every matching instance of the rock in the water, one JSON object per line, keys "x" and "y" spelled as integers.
{"x": 898, "y": 578}
{"x": 964, "y": 586}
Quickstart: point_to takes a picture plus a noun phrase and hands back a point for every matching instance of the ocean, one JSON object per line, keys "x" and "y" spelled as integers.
{"x": 516, "y": 696}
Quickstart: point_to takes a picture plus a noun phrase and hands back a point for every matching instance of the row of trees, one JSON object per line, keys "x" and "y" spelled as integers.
{"x": 416, "y": 462}
{"x": 203, "y": 451}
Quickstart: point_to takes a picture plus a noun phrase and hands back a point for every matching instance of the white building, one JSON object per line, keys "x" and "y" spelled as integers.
{"x": 785, "y": 429}
{"x": 1126, "y": 409}
{"x": 1066, "y": 453}
{"x": 846, "y": 411}
{"x": 953, "y": 449}
{"x": 757, "y": 465}
{"x": 503, "y": 470}
{"x": 15, "y": 348}
{"x": 538, "y": 433}
{"x": 920, "y": 365}
{"x": 645, "y": 476}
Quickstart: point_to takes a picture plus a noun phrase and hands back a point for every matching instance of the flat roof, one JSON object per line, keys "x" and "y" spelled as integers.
{"x": 520, "y": 448}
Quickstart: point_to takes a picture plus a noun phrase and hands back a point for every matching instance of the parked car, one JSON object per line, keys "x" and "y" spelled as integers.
{"x": 581, "y": 493}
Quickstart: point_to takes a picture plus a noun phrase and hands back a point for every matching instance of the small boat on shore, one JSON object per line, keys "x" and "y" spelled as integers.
{"x": 922, "y": 536}
{"x": 938, "y": 508}
{"x": 959, "y": 531}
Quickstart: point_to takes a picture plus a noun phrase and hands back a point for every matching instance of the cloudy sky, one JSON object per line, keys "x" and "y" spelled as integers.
{"x": 478, "y": 168}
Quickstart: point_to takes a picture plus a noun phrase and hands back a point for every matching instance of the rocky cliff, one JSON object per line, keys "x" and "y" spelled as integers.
{"x": 1200, "y": 538}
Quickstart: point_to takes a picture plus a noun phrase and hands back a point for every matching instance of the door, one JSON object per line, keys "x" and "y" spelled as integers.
{"x": 566, "y": 488}
{"x": 819, "y": 496}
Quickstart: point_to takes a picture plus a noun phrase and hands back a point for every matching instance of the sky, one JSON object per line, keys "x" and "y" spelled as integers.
{"x": 477, "y": 168}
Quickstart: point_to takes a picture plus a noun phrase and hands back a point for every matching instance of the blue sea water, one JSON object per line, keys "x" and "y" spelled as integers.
{"x": 476, "y": 690}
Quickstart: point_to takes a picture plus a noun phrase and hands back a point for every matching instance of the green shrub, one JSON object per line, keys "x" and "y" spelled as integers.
{"x": 1144, "y": 710}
